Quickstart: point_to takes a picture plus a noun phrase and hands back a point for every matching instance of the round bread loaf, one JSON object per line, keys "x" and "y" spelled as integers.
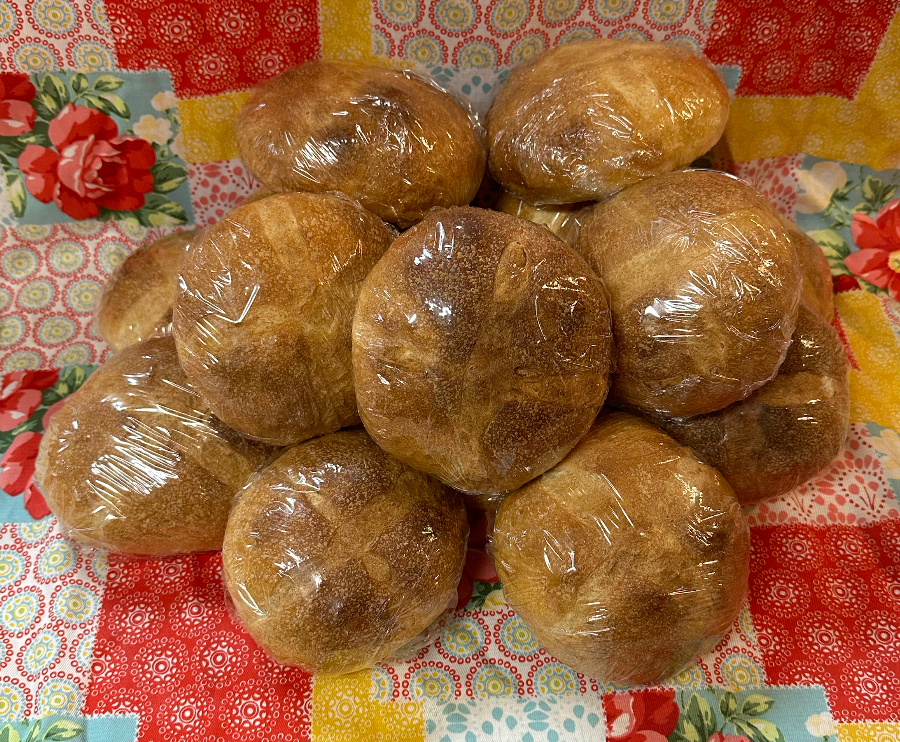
{"x": 481, "y": 349}
{"x": 397, "y": 144}
{"x": 584, "y": 120}
{"x": 262, "y": 320}
{"x": 137, "y": 299}
{"x": 627, "y": 559}
{"x": 817, "y": 289}
{"x": 564, "y": 220}
{"x": 704, "y": 286}
{"x": 788, "y": 430}
{"x": 135, "y": 462}
{"x": 337, "y": 554}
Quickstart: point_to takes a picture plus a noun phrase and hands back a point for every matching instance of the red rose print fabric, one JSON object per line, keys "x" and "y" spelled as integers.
{"x": 28, "y": 401}
{"x": 17, "y": 473}
{"x": 844, "y": 283}
{"x": 16, "y": 115}
{"x": 649, "y": 716}
{"x": 97, "y": 147}
{"x": 20, "y": 395}
{"x": 91, "y": 165}
{"x": 213, "y": 47}
{"x": 878, "y": 240}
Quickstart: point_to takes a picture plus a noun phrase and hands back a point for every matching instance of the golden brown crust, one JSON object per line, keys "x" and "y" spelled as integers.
{"x": 564, "y": 220}
{"x": 628, "y": 558}
{"x": 262, "y": 322}
{"x": 397, "y": 144}
{"x": 480, "y": 349}
{"x": 704, "y": 286}
{"x": 138, "y": 297}
{"x": 818, "y": 290}
{"x": 136, "y": 463}
{"x": 337, "y": 554}
{"x": 786, "y": 431}
{"x": 585, "y": 120}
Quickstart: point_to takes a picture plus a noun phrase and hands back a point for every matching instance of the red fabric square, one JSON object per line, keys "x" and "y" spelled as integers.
{"x": 214, "y": 46}
{"x": 805, "y": 47}
{"x": 168, "y": 650}
{"x": 825, "y": 602}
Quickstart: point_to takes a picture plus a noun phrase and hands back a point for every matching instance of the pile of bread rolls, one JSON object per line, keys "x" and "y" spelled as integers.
{"x": 477, "y": 348}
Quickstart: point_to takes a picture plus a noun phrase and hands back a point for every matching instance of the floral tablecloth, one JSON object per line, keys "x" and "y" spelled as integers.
{"x": 117, "y": 126}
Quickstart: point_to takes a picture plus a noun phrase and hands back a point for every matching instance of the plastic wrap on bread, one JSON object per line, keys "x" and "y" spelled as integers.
{"x": 262, "y": 319}
{"x": 704, "y": 286}
{"x": 428, "y": 635}
{"x": 137, "y": 299}
{"x": 135, "y": 462}
{"x": 564, "y": 220}
{"x": 338, "y": 555}
{"x": 584, "y": 120}
{"x": 627, "y": 559}
{"x": 817, "y": 290}
{"x": 481, "y": 349}
{"x": 397, "y": 143}
{"x": 789, "y": 429}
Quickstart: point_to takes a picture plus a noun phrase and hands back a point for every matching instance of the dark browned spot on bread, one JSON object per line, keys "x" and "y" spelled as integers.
{"x": 337, "y": 554}
{"x": 481, "y": 349}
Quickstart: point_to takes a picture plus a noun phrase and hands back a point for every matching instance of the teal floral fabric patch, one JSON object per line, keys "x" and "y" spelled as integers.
{"x": 53, "y": 728}
{"x": 478, "y": 86}
{"x": 28, "y": 399}
{"x": 102, "y": 145}
{"x": 764, "y": 714}
{"x": 518, "y": 718}
{"x": 853, "y": 213}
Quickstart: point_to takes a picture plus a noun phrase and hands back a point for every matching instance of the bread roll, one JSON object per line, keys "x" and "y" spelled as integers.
{"x": 627, "y": 559}
{"x": 564, "y": 220}
{"x": 788, "y": 430}
{"x": 138, "y": 297}
{"x": 704, "y": 286}
{"x": 135, "y": 462}
{"x": 584, "y": 120}
{"x": 481, "y": 349}
{"x": 395, "y": 143}
{"x": 337, "y": 554}
{"x": 817, "y": 290}
{"x": 262, "y": 321}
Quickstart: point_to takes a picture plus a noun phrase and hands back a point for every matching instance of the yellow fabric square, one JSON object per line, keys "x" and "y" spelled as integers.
{"x": 207, "y": 125}
{"x": 869, "y": 732}
{"x": 399, "y": 722}
{"x": 865, "y": 130}
{"x": 345, "y": 27}
{"x": 342, "y": 708}
{"x": 343, "y": 711}
{"x": 874, "y": 392}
